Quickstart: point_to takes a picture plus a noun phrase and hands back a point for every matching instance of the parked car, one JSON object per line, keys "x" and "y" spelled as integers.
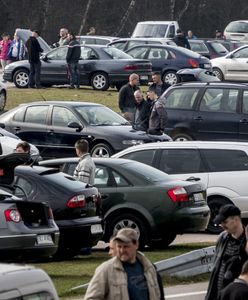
{"x": 75, "y": 205}
{"x": 125, "y": 44}
{"x": 207, "y": 111}
{"x": 25, "y": 282}
{"x": 237, "y": 30}
{"x": 197, "y": 74}
{"x": 3, "y": 96}
{"x": 230, "y": 45}
{"x": 138, "y": 196}
{"x": 100, "y": 67}
{"x": 221, "y": 166}
{"x": 233, "y": 66}
{"x": 27, "y": 228}
{"x": 55, "y": 126}
{"x": 95, "y": 39}
{"x": 169, "y": 59}
{"x": 208, "y": 48}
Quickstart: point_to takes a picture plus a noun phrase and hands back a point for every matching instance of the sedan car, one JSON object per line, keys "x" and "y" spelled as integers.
{"x": 139, "y": 196}
{"x": 169, "y": 59}
{"x": 100, "y": 67}
{"x": 75, "y": 205}
{"x": 208, "y": 48}
{"x": 197, "y": 74}
{"x": 3, "y": 96}
{"x": 55, "y": 126}
{"x": 233, "y": 66}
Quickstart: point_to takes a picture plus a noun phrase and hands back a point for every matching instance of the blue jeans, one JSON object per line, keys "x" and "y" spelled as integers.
{"x": 34, "y": 75}
{"x": 74, "y": 73}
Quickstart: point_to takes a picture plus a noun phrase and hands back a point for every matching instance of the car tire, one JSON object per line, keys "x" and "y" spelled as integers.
{"x": 182, "y": 137}
{"x": 218, "y": 73}
{"x": 101, "y": 150}
{"x": 21, "y": 78}
{"x": 215, "y": 205}
{"x": 3, "y": 99}
{"x": 100, "y": 81}
{"x": 171, "y": 78}
{"x": 165, "y": 241}
{"x": 129, "y": 221}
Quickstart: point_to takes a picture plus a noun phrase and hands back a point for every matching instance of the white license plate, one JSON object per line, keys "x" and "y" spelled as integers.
{"x": 207, "y": 66}
{"x": 96, "y": 228}
{"x": 198, "y": 197}
{"x": 143, "y": 77}
{"x": 44, "y": 239}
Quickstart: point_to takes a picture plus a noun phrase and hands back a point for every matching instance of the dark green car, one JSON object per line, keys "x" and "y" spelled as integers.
{"x": 141, "y": 197}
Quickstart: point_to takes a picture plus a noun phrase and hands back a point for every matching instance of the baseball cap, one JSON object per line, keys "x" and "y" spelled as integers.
{"x": 126, "y": 235}
{"x": 228, "y": 210}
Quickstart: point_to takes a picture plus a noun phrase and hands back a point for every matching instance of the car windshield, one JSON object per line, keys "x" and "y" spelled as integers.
{"x": 100, "y": 116}
{"x": 115, "y": 53}
{"x": 150, "y": 30}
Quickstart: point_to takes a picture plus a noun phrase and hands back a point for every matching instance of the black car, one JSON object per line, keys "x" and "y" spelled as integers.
{"x": 169, "y": 59}
{"x": 75, "y": 205}
{"x": 141, "y": 197}
{"x": 55, "y": 126}
{"x": 207, "y": 111}
{"x": 100, "y": 67}
{"x": 208, "y": 48}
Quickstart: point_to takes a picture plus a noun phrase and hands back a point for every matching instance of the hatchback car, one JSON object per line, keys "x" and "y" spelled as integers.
{"x": 3, "y": 96}
{"x": 100, "y": 67}
{"x": 55, "y": 126}
{"x": 221, "y": 166}
{"x": 207, "y": 111}
{"x": 237, "y": 30}
{"x": 138, "y": 196}
{"x": 208, "y": 48}
{"x": 169, "y": 59}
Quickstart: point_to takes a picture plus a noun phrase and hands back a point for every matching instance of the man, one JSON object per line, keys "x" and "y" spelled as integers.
{"x": 231, "y": 250}
{"x": 237, "y": 290}
{"x": 85, "y": 170}
{"x": 112, "y": 247}
{"x": 92, "y": 31}
{"x": 158, "y": 114}
{"x": 34, "y": 50}
{"x": 142, "y": 112}
{"x": 22, "y": 147}
{"x": 72, "y": 58}
{"x": 128, "y": 275}
{"x": 126, "y": 97}
{"x": 219, "y": 35}
{"x": 158, "y": 85}
{"x": 191, "y": 35}
{"x": 63, "y": 40}
{"x": 181, "y": 40}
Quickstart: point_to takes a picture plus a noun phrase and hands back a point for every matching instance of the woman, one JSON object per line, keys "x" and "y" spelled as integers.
{"x": 17, "y": 49}
{"x": 4, "y": 50}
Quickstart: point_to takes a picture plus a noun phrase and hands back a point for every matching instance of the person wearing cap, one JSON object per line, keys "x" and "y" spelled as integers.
{"x": 181, "y": 40}
{"x": 158, "y": 114}
{"x": 231, "y": 250}
{"x": 128, "y": 275}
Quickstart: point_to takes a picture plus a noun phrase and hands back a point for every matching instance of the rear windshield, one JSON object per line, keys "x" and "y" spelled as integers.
{"x": 65, "y": 181}
{"x": 239, "y": 27}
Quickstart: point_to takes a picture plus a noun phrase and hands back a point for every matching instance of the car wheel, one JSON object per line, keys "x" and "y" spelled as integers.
{"x": 218, "y": 73}
{"x": 101, "y": 150}
{"x": 171, "y": 78}
{"x": 165, "y": 241}
{"x": 182, "y": 137}
{"x": 3, "y": 99}
{"x": 129, "y": 221}
{"x": 100, "y": 81}
{"x": 21, "y": 78}
{"x": 215, "y": 205}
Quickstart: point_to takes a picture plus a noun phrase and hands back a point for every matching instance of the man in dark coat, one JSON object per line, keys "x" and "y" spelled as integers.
{"x": 181, "y": 40}
{"x": 231, "y": 250}
{"x": 142, "y": 112}
{"x": 34, "y": 50}
{"x": 158, "y": 85}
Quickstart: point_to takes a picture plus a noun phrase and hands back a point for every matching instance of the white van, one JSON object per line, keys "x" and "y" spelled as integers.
{"x": 155, "y": 29}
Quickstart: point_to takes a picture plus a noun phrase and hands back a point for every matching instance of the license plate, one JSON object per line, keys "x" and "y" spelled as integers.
{"x": 207, "y": 66}
{"x": 143, "y": 77}
{"x": 198, "y": 197}
{"x": 96, "y": 228}
{"x": 44, "y": 239}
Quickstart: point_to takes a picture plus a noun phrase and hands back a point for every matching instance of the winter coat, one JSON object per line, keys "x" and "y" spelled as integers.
{"x": 127, "y": 101}
{"x": 141, "y": 116}
{"x": 237, "y": 290}
{"x": 158, "y": 118}
{"x": 74, "y": 52}
{"x": 34, "y": 49}
{"x": 181, "y": 41}
{"x": 4, "y": 49}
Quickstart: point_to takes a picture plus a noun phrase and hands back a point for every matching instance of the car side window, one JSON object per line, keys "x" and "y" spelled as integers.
{"x": 87, "y": 53}
{"x": 36, "y": 114}
{"x": 119, "y": 45}
{"x": 106, "y": 177}
{"x": 23, "y": 187}
{"x": 245, "y": 102}
{"x": 180, "y": 161}
{"x": 58, "y": 54}
{"x": 139, "y": 52}
{"x": 19, "y": 115}
{"x": 181, "y": 98}
{"x": 242, "y": 53}
{"x": 61, "y": 116}
{"x": 219, "y": 100}
{"x": 157, "y": 53}
{"x": 221, "y": 160}
{"x": 145, "y": 156}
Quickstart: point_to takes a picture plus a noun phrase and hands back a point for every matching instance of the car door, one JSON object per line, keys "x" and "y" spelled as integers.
{"x": 243, "y": 124}
{"x": 87, "y": 63}
{"x": 216, "y": 117}
{"x": 236, "y": 65}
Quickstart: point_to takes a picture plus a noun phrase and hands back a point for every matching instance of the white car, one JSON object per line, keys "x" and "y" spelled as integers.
{"x": 237, "y": 30}
{"x": 233, "y": 66}
{"x": 221, "y": 166}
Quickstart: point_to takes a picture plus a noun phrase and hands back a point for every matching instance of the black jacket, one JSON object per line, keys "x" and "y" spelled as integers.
{"x": 141, "y": 116}
{"x": 158, "y": 118}
{"x": 127, "y": 101}
{"x": 181, "y": 41}
{"x": 74, "y": 52}
{"x": 233, "y": 267}
{"x": 237, "y": 290}
{"x": 34, "y": 49}
{"x": 164, "y": 87}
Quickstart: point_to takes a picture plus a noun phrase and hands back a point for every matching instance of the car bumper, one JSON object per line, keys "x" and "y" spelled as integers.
{"x": 7, "y": 77}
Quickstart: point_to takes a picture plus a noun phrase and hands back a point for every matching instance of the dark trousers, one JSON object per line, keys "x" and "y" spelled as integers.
{"x": 74, "y": 73}
{"x": 34, "y": 75}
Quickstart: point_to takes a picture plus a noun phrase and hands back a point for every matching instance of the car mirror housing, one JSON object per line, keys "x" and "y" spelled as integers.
{"x": 75, "y": 125}
{"x": 44, "y": 58}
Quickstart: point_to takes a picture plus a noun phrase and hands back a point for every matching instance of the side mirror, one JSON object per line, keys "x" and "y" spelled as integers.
{"x": 44, "y": 58}
{"x": 75, "y": 125}
{"x": 230, "y": 55}
{"x": 2, "y": 125}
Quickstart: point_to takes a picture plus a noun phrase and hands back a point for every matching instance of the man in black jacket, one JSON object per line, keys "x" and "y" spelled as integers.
{"x": 231, "y": 250}
{"x": 158, "y": 85}
{"x": 181, "y": 40}
{"x": 72, "y": 58}
{"x": 142, "y": 112}
{"x": 34, "y": 50}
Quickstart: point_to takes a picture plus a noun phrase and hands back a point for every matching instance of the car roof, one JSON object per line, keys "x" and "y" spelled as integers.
{"x": 212, "y": 84}
{"x": 70, "y": 103}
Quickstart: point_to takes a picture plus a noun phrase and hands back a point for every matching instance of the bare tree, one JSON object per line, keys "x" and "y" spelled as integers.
{"x": 125, "y": 17}
{"x": 85, "y": 17}
{"x": 184, "y": 9}
{"x": 45, "y": 14}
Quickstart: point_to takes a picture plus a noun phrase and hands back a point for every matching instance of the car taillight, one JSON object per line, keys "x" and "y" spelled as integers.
{"x": 130, "y": 68}
{"x": 178, "y": 194}
{"x": 12, "y": 215}
{"x": 193, "y": 63}
{"x": 76, "y": 201}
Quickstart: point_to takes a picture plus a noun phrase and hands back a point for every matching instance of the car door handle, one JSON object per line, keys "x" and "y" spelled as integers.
{"x": 192, "y": 178}
{"x": 245, "y": 121}
{"x": 17, "y": 128}
{"x": 199, "y": 118}
{"x": 51, "y": 131}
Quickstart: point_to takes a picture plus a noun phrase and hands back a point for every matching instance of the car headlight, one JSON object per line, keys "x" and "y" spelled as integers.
{"x": 132, "y": 142}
